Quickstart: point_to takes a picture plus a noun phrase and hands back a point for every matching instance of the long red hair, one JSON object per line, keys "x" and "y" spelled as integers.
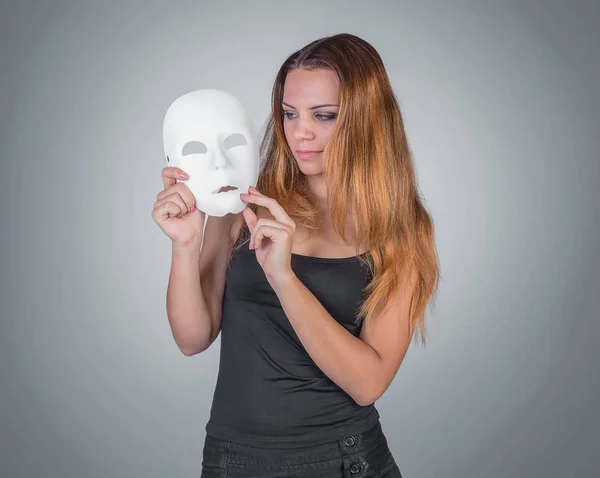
{"x": 368, "y": 169}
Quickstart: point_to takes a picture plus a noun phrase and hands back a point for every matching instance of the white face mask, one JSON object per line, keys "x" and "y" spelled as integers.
{"x": 207, "y": 134}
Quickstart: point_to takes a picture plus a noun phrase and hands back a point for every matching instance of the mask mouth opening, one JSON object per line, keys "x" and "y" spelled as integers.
{"x": 224, "y": 189}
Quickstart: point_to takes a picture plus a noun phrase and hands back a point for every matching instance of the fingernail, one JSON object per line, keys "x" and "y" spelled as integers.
{"x": 252, "y": 188}
{"x": 244, "y": 195}
{"x": 182, "y": 175}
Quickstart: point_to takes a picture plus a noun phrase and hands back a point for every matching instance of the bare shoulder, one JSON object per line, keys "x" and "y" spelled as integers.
{"x": 217, "y": 241}
{"x": 236, "y": 223}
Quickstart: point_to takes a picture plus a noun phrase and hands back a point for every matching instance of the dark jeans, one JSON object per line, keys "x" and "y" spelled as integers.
{"x": 357, "y": 456}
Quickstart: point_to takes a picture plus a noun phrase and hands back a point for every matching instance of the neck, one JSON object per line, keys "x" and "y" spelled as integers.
{"x": 318, "y": 190}
{"x": 319, "y": 193}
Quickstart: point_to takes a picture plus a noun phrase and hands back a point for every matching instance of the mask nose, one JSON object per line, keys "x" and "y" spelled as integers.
{"x": 219, "y": 161}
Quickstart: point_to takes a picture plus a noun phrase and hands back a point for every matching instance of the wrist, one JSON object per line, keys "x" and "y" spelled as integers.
{"x": 282, "y": 281}
{"x": 191, "y": 246}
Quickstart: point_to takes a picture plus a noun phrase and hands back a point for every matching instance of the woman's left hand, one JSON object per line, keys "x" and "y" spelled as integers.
{"x": 272, "y": 239}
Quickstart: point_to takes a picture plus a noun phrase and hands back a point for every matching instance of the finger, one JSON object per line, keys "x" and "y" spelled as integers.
{"x": 275, "y": 233}
{"x": 171, "y": 174}
{"x": 183, "y": 191}
{"x": 166, "y": 210}
{"x": 273, "y": 206}
{"x": 175, "y": 199}
{"x": 261, "y": 223}
{"x": 250, "y": 218}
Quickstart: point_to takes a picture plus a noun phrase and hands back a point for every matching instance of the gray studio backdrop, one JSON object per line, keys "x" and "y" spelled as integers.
{"x": 501, "y": 107}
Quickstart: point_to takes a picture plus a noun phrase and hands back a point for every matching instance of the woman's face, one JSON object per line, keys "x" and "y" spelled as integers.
{"x": 310, "y": 108}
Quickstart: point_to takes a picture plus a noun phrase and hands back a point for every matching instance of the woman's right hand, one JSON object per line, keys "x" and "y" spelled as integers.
{"x": 174, "y": 210}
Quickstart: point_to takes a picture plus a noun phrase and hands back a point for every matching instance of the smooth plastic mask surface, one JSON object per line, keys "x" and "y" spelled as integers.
{"x": 208, "y": 134}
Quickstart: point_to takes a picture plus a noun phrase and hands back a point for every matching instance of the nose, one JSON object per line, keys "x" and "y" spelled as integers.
{"x": 302, "y": 132}
{"x": 219, "y": 161}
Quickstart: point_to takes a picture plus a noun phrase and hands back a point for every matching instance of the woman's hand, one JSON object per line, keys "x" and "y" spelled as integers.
{"x": 272, "y": 239}
{"x": 174, "y": 210}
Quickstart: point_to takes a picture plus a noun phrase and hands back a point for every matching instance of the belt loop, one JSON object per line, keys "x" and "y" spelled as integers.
{"x": 350, "y": 444}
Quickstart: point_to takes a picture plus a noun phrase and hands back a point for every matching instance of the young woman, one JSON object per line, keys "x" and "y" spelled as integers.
{"x": 318, "y": 285}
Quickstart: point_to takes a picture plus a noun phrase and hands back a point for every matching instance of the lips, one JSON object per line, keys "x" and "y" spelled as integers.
{"x": 307, "y": 154}
{"x": 224, "y": 189}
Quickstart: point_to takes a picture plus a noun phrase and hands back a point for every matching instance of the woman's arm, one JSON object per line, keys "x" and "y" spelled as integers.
{"x": 363, "y": 367}
{"x": 187, "y": 310}
{"x": 196, "y": 287}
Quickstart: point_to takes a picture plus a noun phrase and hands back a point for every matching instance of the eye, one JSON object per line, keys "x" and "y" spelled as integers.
{"x": 194, "y": 147}
{"x": 197, "y": 147}
{"x": 324, "y": 117}
{"x": 321, "y": 117}
{"x": 233, "y": 140}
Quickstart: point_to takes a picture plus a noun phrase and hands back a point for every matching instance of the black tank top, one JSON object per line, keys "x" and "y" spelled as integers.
{"x": 269, "y": 391}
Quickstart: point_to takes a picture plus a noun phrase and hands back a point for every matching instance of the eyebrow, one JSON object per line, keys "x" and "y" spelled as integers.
{"x": 312, "y": 108}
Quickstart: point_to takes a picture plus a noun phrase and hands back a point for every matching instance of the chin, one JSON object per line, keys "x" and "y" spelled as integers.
{"x": 310, "y": 169}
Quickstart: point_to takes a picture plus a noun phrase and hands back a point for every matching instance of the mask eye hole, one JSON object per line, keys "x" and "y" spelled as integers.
{"x": 233, "y": 140}
{"x": 194, "y": 147}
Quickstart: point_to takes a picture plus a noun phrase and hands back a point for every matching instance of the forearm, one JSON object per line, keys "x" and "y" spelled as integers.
{"x": 348, "y": 361}
{"x": 187, "y": 310}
